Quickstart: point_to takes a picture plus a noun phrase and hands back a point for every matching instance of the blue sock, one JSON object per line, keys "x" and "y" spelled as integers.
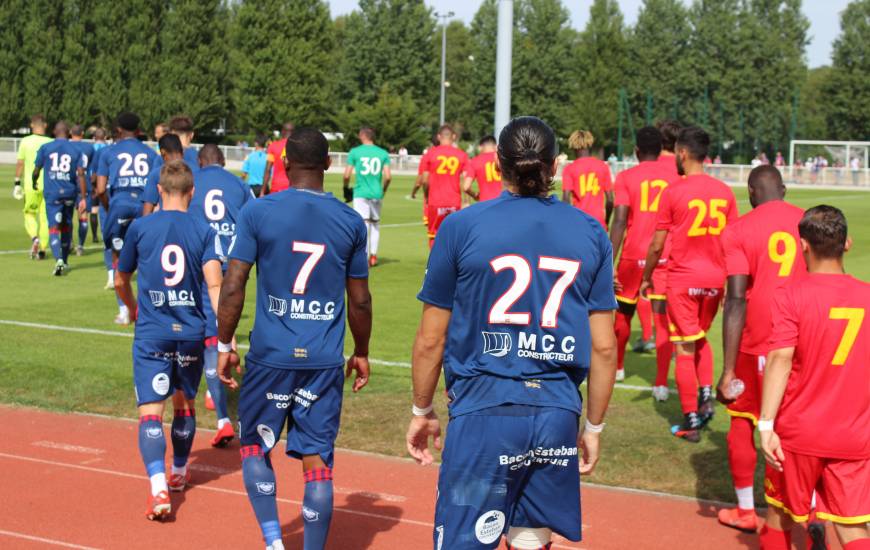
{"x": 215, "y": 387}
{"x": 183, "y": 430}
{"x": 65, "y": 242}
{"x": 152, "y": 444}
{"x": 317, "y": 507}
{"x": 260, "y": 484}
{"x": 107, "y": 259}
{"x": 83, "y": 232}
{"x": 54, "y": 243}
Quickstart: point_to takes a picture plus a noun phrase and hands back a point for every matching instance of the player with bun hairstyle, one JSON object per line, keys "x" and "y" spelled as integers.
{"x": 521, "y": 329}
{"x": 586, "y": 182}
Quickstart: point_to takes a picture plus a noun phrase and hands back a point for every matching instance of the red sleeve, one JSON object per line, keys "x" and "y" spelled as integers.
{"x": 471, "y": 169}
{"x": 464, "y": 163}
{"x": 621, "y": 190}
{"x": 665, "y": 217}
{"x": 424, "y": 163}
{"x": 567, "y": 178}
{"x": 735, "y": 256}
{"x": 606, "y": 178}
{"x": 785, "y": 318}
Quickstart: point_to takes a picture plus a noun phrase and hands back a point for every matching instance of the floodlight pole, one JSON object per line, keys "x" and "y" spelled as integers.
{"x": 443, "y": 17}
{"x": 503, "y": 63}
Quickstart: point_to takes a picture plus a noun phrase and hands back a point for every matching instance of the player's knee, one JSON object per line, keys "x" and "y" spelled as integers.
{"x": 527, "y": 538}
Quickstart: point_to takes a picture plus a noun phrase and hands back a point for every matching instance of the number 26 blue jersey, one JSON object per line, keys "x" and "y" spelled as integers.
{"x": 520, "y": 275}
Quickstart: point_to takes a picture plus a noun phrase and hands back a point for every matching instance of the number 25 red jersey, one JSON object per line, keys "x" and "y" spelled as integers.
{"x": 445, "y": 165}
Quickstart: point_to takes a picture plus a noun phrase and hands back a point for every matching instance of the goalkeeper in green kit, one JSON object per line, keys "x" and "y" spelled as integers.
{"x": 372, "y": 167}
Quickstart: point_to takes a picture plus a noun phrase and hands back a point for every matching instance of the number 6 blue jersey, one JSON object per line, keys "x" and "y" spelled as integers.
{"x": 127, "y": 164}
{"x": 521, "y": 275}
{"x": 306, "y": 245}
{"x": 218, "y": 198}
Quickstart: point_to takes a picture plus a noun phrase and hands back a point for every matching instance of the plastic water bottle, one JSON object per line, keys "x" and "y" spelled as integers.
{"x": 735, "y": 388}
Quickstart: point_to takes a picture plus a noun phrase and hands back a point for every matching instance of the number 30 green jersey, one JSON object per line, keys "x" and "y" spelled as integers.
{"x": 368, "y": 162}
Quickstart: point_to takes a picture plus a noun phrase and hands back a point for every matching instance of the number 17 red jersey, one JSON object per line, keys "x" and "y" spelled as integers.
{"x": 640, "y": 189}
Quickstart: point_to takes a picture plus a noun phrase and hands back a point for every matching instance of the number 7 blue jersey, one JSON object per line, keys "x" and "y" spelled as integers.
{"x": 521, "y": 276}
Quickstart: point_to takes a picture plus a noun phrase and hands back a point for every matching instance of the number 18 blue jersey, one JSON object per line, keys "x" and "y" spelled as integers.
{"x": 521, "y": 275}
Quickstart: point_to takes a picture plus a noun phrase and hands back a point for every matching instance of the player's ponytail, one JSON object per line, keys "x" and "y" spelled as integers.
{"x": 527, "y": 153}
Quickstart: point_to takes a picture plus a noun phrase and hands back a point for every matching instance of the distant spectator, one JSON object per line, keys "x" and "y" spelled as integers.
{"x": 254, "y": 166}
{"x": 779, "y": 161}
{"x": 855, "y": 165}
{"x": 756, "y": 161}
{"x": 717, "y": 160}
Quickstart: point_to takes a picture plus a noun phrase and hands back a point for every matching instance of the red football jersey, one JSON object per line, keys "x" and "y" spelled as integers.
{"x": 483, "y": 168}
{"x": 275, "y": 154}
{"x": 588, "y": 179}
{"x": 445, "y": 165}
{"x": 826, "y": 407}
{"x": 640, "y": 189}
{"x": 763, "y": 244}
{"x": 669, "y": 162}
{"x": 695, "y": 211}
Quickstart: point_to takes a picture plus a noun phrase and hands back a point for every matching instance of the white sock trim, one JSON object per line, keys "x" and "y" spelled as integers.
{"x": 176, "y": 471}
{"x": 745, "y": 498}
{"x": 526, "y": 538}
{"x": 158, "y": 484}
{"x": 223, "y": 422}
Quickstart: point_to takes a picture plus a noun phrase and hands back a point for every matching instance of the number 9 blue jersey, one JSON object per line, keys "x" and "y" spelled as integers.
{"x": 521, "y": 276}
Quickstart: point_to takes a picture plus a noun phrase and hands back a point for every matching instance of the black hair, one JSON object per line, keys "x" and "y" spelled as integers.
{"x": 670, "y": 129}
{"x": 170, "y": 143}
{"x": 181, "y": 124}
{"x": 211, "y": 154}
{"x": 260, "y": 140}
{"x": 649, "y": 142}
{"x": 824, "y": 228}
{"x": 526, "y": 151}
{"x": 487, "y": 140}
{"x": 696, "y": 141}
{"x": 765, "y": 175}
{"x": 128, "y": 121}
{"x": 308, "y": 148}
{"x": 77, "y": 130}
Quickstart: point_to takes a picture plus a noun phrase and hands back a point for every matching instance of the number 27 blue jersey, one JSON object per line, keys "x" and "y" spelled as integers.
{"x": 520, "y": 275}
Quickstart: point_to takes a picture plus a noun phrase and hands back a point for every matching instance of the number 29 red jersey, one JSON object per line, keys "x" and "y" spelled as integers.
{"x": 445, "y": 165}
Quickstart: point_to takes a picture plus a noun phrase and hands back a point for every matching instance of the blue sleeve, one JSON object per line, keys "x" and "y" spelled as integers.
{"x": 103, "y": 168}
{"x": 129, "y": 257}
{"x": 40, "y": 159}
{"x": 358, "y": 267}
{"x": 151, "y": 193}
{"x": 244, "y": 247}
{"x": 212, "y": 247}
{"x": 439, "y": 283}
{"x": 246, "y": 166}
{"x": 601, "y": 295}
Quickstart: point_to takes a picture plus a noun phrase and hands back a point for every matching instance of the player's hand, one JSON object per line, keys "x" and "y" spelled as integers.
{"x": 17, "y": 191}
{"x": 772, "y": 448}
{"x": 227, "y": 361}
{"x": 588, "y": 444}
{"x": 617, "y": 286}
{"x": 723, "y": 386}
{"x": 359, "y": 364}
{"x": 82, "y": 206}
{"x": 646, "y": 287}
{"x": 413, "y": 193}
{"x": 134, "y": 314}
{"x": 417, "y": 440}
{"x": 348, "y": 194}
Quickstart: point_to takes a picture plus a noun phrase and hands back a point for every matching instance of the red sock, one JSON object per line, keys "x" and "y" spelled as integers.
{"x": 664, "y": 349}
{"x": 687, "y": 383}
{"x": 741, "y": 452}
{"x": 622, "y": 327}
{"x": 644, "y": 313}
{"x": 860, "y": 544}
{"x": 704, "y": 362}
{"x": 774, "y": 539}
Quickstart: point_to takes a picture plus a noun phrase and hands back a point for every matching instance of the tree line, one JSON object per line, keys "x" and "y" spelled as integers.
{"x": 736, "y": 67}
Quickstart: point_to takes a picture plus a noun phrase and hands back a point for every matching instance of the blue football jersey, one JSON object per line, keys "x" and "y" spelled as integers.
{"x": 520, "y": 275}
{"x": 60, "y": 160}
{"x": 168, "y": 249}
{"x": 127, "y": 164}
{"x": 87, "y": 150}
{"x": 151, "y": 193}
{"x": 305, "y": 245}
{"x": 94, "y": 161}
{"x": 218, "y": 198}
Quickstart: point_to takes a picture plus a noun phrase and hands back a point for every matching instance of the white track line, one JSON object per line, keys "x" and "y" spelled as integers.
{"x": 43, "y": 540}
{"x": 27, "y": 250}
{"x": 382, "y": 362}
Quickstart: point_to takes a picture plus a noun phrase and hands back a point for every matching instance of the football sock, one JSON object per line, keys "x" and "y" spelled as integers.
{"x": 152, "y": 447}
{"x": 54, "y": 243}
{"x": 94, "y": 222}
{"x": 183, "y": 430}
{"x": 215, "y": 387}
{"x": 107, "y": 261}
{"x": 374, "y": 237}
{"x": 687, "y": 383}
{"x": 704, "y": 362}
{"x": 317, "y": 507}
{"x": 622, "y": 327}
{"x": 860, "y": 544}
{"x": 83, "y": 231}
{"x": 260, "y": 485}
{"x": 65, "y": 242}
{"x": 742, "y": 456}
{"x": 664, "y": 349}
{"x": 774, "y": 539}
{"x": 644, "y": 314}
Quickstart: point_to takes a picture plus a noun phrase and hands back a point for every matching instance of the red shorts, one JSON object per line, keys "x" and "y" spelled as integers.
{"x": 842, "y": 488}
{"x": 435, "y": 215}
{"x": 750, "y": 369}
{"x": 691, "y": 312}
{"x": 630, "y": 273}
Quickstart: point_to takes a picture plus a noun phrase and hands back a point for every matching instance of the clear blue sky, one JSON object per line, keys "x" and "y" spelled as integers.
{"x": 824, "y": 18}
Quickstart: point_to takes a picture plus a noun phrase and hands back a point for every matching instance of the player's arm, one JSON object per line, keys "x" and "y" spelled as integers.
{"x": 608, "y": 205}
{"x": 345, "y": 179}
{"x": 229, "y": 311}
{"x": 602, "y": 375}
{"x": 427, "y": 357}
{"x": 653, "y": 254}
{"x": 617, "y": 228}
{"x": 732, "y": 330}
{"x": 17, "y": 192}
{"x": 34, "y": 178}
{"x": 388, "y": 178}
{"x": 359, "y": 319}
{"x": 100, "y": 190}
{"x": 466, "y": 188}
{"x": 267, "y": 178}
{"x": 125, "y": 291}
{"x": 213, "y": 275}
{"x": 418, "y": 183}
{"x": 83, "y": 189}
{"x": 776, "y": 372}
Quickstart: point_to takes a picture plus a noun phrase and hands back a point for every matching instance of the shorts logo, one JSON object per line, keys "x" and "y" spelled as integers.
{"x": 211, "y": 373}
{"x": 489, "y": 526}
{"x": 267, "y": 435}
{"x": 157, "y": 297}
{"x": 278, "y": 306}
{"x": 154, "y": 433}
{"x": 497, "y": 344}
{"x": 438, "y": 543}
{"x": 117, "y": 244}
{"x": 310, "y": 515}
{"x": 160, "y": 383}
{"x": 266, "y": 488}
{"x": 181, "y": 434}
{"x": 58, "y": 217}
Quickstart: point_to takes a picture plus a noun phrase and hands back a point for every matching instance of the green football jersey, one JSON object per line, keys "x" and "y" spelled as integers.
{"x": 368, "y": 162}
{"x": 27, "y": 149}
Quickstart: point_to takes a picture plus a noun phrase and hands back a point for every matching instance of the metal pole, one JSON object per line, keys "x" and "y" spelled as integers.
{"x": 443, "y": 17}
{"x": 503, "y": 64}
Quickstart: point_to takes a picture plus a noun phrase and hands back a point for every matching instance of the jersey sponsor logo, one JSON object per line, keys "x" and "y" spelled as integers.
{"x": 157, "y": 297}
{"x": 497, "y": 344}
{"x": 267, "y": 435}
{"x": 278, "y": 306}
{"x": 265, "y": 488}
{"x": 311, "y": 310}
{"x": 547, "y": 348}
{"x": 310, "y": 515}
{"x": 489, "y": 526}
{"x": 160, "y": 383}
{"x": 711, "y": 292}
{"x": 180, "y": 298}
{"x": 554, "y": 456}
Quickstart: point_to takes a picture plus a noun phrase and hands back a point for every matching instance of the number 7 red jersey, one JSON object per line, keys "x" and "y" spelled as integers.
{"x": 446, "y": 165}
{"x": 695, "y": 211}
{"x": 825, "y": 411}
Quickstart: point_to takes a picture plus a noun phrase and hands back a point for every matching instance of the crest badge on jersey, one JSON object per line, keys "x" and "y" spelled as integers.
{"x": 497, "y": 344}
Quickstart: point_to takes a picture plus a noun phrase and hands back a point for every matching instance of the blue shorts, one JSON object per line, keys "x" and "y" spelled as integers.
{"x": 509, "y": 466}
{"x": 307, "y": 400}
{"x": 59, "y": 211}
{"x": 117, "y": 220}
{"x": 160, "y": 366}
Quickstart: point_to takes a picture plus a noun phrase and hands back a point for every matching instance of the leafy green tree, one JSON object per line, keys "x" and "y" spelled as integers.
{"x": 459, "y": 104}
{"x": 394, "y": 117}
{"x": 814, "y": 105}
{"x": 41, "y": 47}
{"x": 77, "y": 102}
{"x": 484, "y": 33}
{"x": 848, "y": 89}
{"x": 107, "y": 69}
{"x": 147, "y": 86}
{"x": 12, "y": 20}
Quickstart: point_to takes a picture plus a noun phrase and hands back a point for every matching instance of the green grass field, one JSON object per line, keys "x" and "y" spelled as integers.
{"x": 92, "y": 372}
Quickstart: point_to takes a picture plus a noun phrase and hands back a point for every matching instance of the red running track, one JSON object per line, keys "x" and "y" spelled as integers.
{"x": 76, "y": 481}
